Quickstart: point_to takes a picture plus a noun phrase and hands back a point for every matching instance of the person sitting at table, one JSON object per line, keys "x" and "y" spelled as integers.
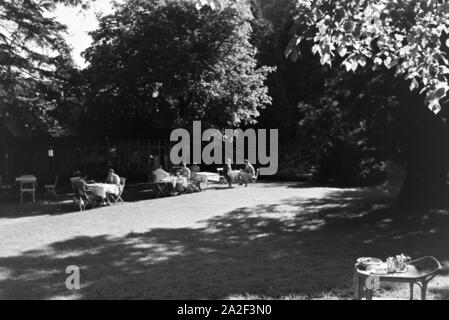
{"x": 76, "y": 175}
{"x": 190, "y": 184}
{"x": 112, "y": 178}
{"x": 80, "y": 188}
{"x": 226, "y": 172}
{"x": 248, "y": 173}
{"x": 184, "y": 171}
{"x": 160, "y": 174}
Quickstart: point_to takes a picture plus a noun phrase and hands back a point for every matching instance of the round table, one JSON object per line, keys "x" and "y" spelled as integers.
{"x": 235, "y": 175}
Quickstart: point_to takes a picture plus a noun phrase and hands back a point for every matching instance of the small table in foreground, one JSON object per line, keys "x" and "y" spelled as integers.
{"x": 420, "y": 272}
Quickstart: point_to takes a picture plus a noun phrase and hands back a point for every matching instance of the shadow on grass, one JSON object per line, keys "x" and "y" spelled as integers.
{"x": 63, "y": 204}
{"x": 295, "y": 248}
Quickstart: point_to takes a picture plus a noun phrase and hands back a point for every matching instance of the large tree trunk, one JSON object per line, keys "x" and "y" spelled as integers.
{"x": 427, "y": 157}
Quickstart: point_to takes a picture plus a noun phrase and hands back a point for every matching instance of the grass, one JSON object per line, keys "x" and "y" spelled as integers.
{"x": 268, "y": 241}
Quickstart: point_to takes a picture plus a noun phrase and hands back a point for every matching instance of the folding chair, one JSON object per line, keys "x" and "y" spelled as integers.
{"x": 193, "y": 186}
{"x": 51, "y": 188}
{"x": 156, "y": 190}
{"x": 82, "y": 194}
{"x": 121, "y": 188}
{"x": 222, "y": 179}
{"x": 156, "y": 185}
{"x": 160, "y": 188}
{"x": 194, "y": 182}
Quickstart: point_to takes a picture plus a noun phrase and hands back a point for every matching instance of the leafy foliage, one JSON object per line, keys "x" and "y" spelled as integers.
{"x": 346, "y": 133}
{"x": 158, "y": 62}
{"x": 407, "y": 36}
{"x": 34, "y": 62}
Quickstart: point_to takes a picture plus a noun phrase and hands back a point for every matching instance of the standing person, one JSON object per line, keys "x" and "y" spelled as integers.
{"x": 249, "y": 172}
{"x": 226, "y": 172}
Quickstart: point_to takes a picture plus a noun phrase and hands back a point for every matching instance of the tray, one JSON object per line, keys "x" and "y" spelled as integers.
{"x": 381, "y": 269}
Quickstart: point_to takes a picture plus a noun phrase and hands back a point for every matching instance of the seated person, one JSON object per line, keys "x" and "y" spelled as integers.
{"x": 112, "y": 178}
{"x": 82, "y": 191}
{"x": 78, "y": 175}
{"x": 184, "y": 171}
{"x": 160, "y": 174}
{"x": 248, "y": 173}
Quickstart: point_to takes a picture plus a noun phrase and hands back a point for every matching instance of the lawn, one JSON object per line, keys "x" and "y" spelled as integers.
{"x": 270, "y": 240}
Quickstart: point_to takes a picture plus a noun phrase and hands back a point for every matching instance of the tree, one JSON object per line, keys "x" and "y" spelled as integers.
{"x": 405, "y": 35}
{"x": 160, "y": 62}
{"x": 408, "y": 37}
{"x": 330, "y": 122}
{"x": 34, "y": 62}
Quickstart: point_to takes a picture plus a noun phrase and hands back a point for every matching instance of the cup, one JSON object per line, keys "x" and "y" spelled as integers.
{"x": 391, "y": 264}
{"x": 401, "y": 261}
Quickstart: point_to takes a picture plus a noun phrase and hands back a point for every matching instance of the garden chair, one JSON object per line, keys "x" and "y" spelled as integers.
{"x": 254, "y": 179}
{"x": 195, "y": 168}
{"x": 51, "y": 188}
{"x": 222, "y": 179}
{"x": 158, "y": 185}
{"x": 121, "y": 188}
{"x": 27, "y": 187}
{"x": 153, "y": 185}
{"x": 83, "y": 196}
{"x": 419, "y": 272}
{"x": 195, "y": 183}
{"x": 5, "y": 188}
{"x": 160, "y": 189}
{"x": 193, "y": 186}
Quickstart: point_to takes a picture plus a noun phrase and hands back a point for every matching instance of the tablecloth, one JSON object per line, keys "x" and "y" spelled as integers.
{"x": 175, "y": 181}
{"x": 101, "y": 189}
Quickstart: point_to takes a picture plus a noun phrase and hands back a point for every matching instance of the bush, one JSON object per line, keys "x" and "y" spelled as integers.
{"x": 339, "y": 145}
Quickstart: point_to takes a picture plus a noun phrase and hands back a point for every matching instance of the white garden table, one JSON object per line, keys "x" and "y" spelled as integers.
{"x": 28, "y": 184}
